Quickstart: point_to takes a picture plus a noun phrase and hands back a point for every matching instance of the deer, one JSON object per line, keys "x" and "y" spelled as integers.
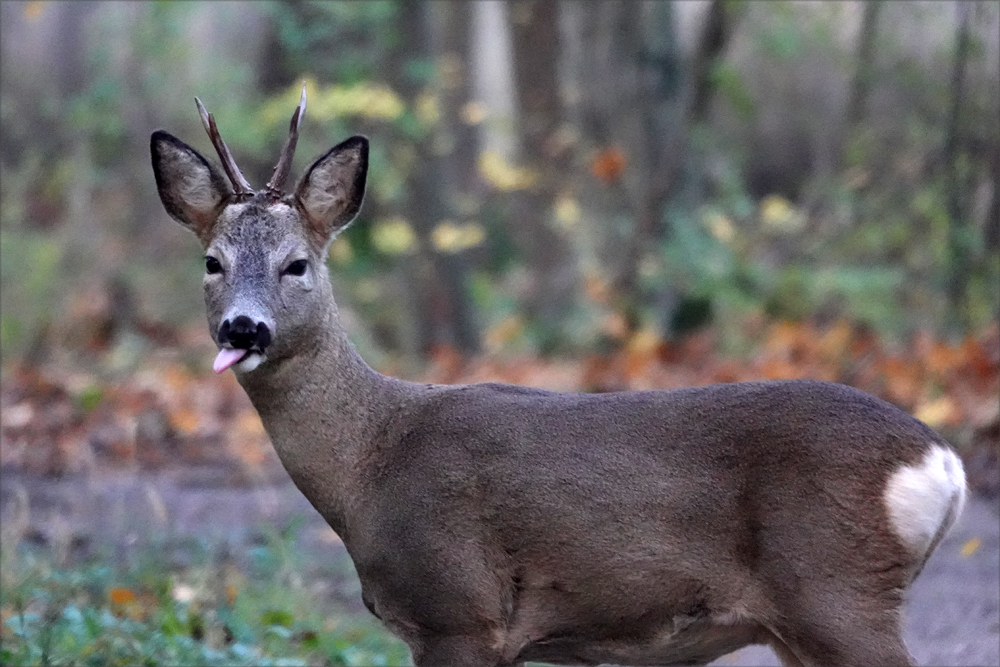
{"x": 492, "y": 524}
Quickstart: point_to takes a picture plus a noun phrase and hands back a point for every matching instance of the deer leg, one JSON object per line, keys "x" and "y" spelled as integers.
{"x": 784, "y": 653}
{"x": 457, "y": 650}
{"x": 847, "y": 639}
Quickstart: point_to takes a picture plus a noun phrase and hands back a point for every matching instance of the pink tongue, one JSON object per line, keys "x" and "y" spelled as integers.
{"x": 227, "y": 358}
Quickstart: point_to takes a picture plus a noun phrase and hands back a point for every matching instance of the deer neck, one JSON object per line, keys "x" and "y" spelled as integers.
{"x": 325, "y": 410}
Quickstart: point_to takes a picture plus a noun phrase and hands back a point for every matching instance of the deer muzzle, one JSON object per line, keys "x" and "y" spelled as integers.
{"x": 242, "y": 339}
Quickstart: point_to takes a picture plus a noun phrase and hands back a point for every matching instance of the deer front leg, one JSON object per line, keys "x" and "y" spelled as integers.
{"x": 458, "y": 651}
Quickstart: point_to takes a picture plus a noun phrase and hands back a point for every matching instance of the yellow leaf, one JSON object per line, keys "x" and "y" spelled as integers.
{"x": 644, "y": 342}
{"x": 327, "y": 102}
{"x": 935, "y": 413}
{"x": 503, "y": 175}
{"x": 451, "y": 237}
{"x": 341, "y": 251}
{"x": 778, "y": 213}
{"x": 393, "y": 236}
{"x": 971, "y": 547}
{"x": 567, "y": 212}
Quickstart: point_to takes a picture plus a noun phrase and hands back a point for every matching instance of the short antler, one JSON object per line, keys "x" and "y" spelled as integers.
{"x": 284, "y": 165}
{"x": 241, "y": 186}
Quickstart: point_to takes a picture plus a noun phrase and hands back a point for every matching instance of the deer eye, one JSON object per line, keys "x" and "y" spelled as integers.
{"x": 212, "y": 265}
{"x": 297, "y": 268}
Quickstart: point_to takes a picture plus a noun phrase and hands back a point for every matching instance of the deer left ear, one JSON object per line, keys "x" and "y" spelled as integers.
{"x": 332, "y": 189}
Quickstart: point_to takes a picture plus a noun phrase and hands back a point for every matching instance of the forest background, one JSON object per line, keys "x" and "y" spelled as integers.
{"x": 579, "y": 196}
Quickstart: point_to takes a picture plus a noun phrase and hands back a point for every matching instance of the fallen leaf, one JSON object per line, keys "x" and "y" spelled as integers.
{"x": 937, "y": 412}
{"x": 608, "y": 165}
{"x": 971, "y": 547}
{"x": 121, "y": 596}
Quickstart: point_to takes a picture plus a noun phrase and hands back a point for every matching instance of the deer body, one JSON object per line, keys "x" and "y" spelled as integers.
{"x": 492, "y": 524}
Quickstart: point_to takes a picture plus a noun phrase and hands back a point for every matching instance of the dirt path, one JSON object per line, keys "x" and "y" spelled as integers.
{"x": 953, "y": 614}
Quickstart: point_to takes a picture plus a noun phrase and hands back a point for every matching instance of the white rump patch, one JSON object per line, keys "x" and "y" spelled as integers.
{"x": 923, "y": 500}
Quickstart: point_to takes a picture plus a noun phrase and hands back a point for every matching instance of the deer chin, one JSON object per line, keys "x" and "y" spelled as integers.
{"x": 240, "y": 360}
{"x": 250, "y": 361}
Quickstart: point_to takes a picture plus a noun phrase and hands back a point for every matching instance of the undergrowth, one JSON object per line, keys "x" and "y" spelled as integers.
{"x": 163, "y": 607}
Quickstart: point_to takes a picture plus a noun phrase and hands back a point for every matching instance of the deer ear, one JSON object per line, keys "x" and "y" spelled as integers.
{"x": 192, "y": 191}
{"x": 330, "y": 193}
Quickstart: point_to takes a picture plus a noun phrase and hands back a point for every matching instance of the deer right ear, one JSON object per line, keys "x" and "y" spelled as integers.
{"x": 192, "y": 191}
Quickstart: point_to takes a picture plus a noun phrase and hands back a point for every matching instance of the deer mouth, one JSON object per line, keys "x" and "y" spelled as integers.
{"x": 243, "y": 360}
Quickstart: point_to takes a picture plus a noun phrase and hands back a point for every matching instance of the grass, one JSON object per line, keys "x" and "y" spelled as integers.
{"x": 180, "y": 604}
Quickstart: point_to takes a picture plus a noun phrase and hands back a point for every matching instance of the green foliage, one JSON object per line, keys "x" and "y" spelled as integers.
{"x": 727, "y": 79}
{"x": 362, "y": 33}
{"x": 780, "y": 37}
{"x": 148, "y": 612}
{"x": 30, "y": 279}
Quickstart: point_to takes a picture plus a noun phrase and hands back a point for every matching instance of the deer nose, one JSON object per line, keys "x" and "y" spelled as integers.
{"x": 245, "y": 334}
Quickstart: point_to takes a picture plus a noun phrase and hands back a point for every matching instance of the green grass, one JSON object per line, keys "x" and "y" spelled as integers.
{"x": 208, "y": 611}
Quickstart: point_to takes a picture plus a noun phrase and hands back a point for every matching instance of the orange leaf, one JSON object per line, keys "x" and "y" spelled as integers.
{"x": 608, "y": 165}
{"x": 177, "y": 377}
{"x": 121, "y": 596}
{"x": 185, "y": 420}
{"x": 833, "y": 344}
{"x": 971, "y": 547}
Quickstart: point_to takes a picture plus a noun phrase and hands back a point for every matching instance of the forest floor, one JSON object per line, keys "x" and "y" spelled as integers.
{"x": 101, "y": 462}
{"x": 952, "y": 614}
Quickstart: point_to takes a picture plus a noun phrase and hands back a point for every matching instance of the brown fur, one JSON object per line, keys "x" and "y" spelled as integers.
{"x": 492, "y": 524}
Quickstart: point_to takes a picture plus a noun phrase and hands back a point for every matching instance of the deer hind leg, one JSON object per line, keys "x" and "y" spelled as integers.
{"x": 842, "y": 636}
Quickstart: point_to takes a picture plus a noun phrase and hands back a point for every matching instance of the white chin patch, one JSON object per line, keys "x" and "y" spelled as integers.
{"x": 250, "y": 362}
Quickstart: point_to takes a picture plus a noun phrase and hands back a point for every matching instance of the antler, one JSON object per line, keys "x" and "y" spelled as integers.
{"x": 284, "y": 165}
{"x": 240, "y": 185}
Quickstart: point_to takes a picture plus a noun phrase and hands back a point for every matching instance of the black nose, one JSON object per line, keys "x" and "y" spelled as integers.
{"x": 245, "y": 334}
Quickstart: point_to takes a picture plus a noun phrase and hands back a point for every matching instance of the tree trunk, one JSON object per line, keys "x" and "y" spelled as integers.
{"x": 715, "y": 34}
{"x": 535, "y": 32}
{"x": 864, "y": 72}
{"x": 958, "y": 245}
{"x": 446, "y": 312}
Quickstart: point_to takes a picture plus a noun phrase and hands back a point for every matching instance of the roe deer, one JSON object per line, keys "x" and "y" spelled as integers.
{"x": 492, "y": 524}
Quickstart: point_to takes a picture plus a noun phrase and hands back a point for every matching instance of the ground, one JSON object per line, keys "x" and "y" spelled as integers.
{"x": 952, "y": 616}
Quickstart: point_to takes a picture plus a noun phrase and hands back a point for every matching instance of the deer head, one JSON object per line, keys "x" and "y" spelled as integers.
{"x": 267, "y": 288}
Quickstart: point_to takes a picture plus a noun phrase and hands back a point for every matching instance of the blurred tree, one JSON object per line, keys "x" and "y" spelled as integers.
{"x": 639, "y": 107}
{"x": 635, "y": 162}
{"x": 957, "y": 181}
{"x": 534, "y": 26}
{"x": 864, "y": 67}
{"x": 435, "y": 34}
